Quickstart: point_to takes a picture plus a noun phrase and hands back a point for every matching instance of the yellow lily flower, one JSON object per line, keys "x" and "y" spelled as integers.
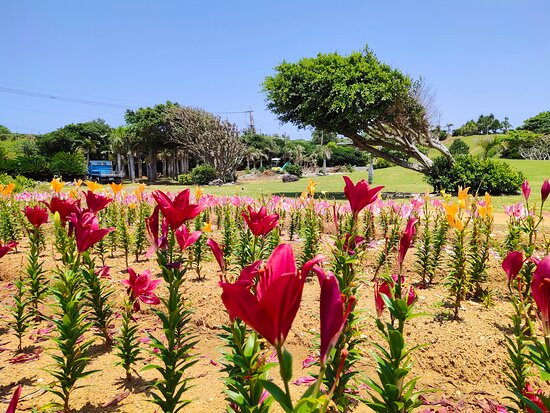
{"x": 93, "y": 186}
{"x": 207, "y": 227}
{"x": 57, "y": 185}
{"x": 452, "y": 216}
{"x": 311, "y": 184}
{"x": 77, "y": 182}
{"x": 8, "y": 189}
{"x": 198, "y": 193}
{"x": 463, "y": 197}
{"x": 116, "y": 188}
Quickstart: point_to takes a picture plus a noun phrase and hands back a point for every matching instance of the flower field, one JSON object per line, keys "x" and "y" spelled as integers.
{"x": 116, "y": 300}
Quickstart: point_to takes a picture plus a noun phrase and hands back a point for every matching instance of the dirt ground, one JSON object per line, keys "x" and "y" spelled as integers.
{"x": 464, "y": 360}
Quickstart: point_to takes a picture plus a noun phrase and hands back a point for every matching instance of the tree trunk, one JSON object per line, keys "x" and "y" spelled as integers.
{"x": 165, "y": 167}
{"x": 139, "y": 166}
{"x": 247, "y": 164}
{"x": 131, "y": 167}
{"x": 185, "y": 166}
{"x": 370, "y": 172}
{"x": 151, "y": 166}
{"x": 324, "y": 165}
{"x": 118, "y": 162}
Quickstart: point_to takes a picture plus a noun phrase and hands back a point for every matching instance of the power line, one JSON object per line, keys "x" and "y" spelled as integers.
{"x": 63, "y": 98}
{"x": 80, "y": 94}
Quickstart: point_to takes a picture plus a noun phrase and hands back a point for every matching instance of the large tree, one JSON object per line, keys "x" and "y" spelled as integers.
{"x": 91, "y": 138}
{"x": 538, "y": 124}
{"x": 357, "y": 96}
{"x": 213, "y": 141}
{"x": 151, "y": 128}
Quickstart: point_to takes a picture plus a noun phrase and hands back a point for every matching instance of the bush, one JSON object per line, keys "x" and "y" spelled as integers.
{"x": 459, "y": 147}
{"x": 517, "y": 140}
{"x": 185, "y": 179}
{"x": 35, "y": 167}
{"x": 69, "y": 165}
{"x": 345, "y": 155}
{"x": 481, "y": 175}
{"x": 381, "y": 163}
{"x": 293, "y": 169}
{"x": 203, "y": 174}
{"x": 200, "y": 175}
{"x": 21, "y": 183}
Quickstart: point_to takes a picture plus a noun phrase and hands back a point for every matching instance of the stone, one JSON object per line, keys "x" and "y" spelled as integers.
{"x": 216, "y": 182}
{"x": 289, "y": 178}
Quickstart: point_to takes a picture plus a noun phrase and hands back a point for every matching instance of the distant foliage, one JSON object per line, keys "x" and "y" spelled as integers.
{"x": 21, "y": 183}
{"x": 481, "y": 175}
{"x": 517, "y": 140}
{"x": 538, "y": 124}
{"x": 459, "y": 147}
{"x": 35, "y": 167}
{"x": 294, "y": 169}
{"x": 69, "y": 165}
{"x": 200, "y": 175}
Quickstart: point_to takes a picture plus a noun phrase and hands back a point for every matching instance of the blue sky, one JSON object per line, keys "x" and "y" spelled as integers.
{"x": 479, "y": 56}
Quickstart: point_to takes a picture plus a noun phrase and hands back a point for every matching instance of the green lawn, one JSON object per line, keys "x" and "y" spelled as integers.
{"x": 395, "y": 179}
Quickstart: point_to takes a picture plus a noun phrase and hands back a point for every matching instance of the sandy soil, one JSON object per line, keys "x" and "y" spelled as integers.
{"x": 464, "y": 360}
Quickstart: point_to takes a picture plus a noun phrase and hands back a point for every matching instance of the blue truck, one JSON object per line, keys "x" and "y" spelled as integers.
{"x": 102, "y": 172}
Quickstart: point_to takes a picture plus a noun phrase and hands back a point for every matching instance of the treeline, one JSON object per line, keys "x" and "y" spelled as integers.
{"x": 485, "y": 125}
{"x": 166, "y": 140}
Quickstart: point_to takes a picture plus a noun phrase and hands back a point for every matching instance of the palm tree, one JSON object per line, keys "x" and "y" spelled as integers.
{"x": 87, "y": 146}
{"x": 325, "y": 153}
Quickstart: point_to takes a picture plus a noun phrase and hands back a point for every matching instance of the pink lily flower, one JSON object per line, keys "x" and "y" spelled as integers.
{"x": 141, "y": 287}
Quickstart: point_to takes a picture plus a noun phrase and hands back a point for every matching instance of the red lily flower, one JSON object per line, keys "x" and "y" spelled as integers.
{"x": 64, "y": 207}
{"x": 186, "y": 238}
{"x": 512, "y": 264}
{"x": 533, "y": 395}
{"x": 405, "y": 241}
{"x": 179, "y": 210}
{"x": 259, "y": 223}
{"x": 103, "y": 272}
{"x": 86, "y": 229}
{"x": 360, "y": 195}
{"x": 350, "y": 245}
{"x": 334, "y": 311}
{"x": 526, "y": 189}
{"x": 545, "y": 190}
{"x": 37, "y": 216}
{"x": 4, "y": 249}
{"x": 540, "y": 289}
{"x": 218, "y": 253}
{"x": 96, "y": 202}
{"x": 273, "y": 308}
{"x": 14, "y": 400}
{"x": 140, "y": 288}
{"x": 385, "y": 288}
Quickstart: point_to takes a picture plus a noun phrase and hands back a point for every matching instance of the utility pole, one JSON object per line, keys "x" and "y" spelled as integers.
{"x": 251, "y": 126}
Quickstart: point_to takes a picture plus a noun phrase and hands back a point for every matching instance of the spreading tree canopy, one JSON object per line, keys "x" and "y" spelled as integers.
{"x": 357, "y": 96}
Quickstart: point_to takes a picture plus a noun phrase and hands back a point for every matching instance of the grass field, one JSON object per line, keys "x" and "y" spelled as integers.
{"x": 395, "y": 179}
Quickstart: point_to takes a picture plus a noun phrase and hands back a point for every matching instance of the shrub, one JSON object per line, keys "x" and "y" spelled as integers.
{"x": 203, "y": 174}
{"x": 481, "y": 175}
{"x": 381, "y": 163}
{"x": 459, "y": 147}
{"x": 69, "y": 165}
{"x": 515, "y": 141}
{"x": 345, "y": 155}
{"x": 35, "y": 167}
{"x": 21, "y": 183}
{"x": 200, "y": 175}
{"x": 293, "y": 169}
{"x": 185, "y": 179}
